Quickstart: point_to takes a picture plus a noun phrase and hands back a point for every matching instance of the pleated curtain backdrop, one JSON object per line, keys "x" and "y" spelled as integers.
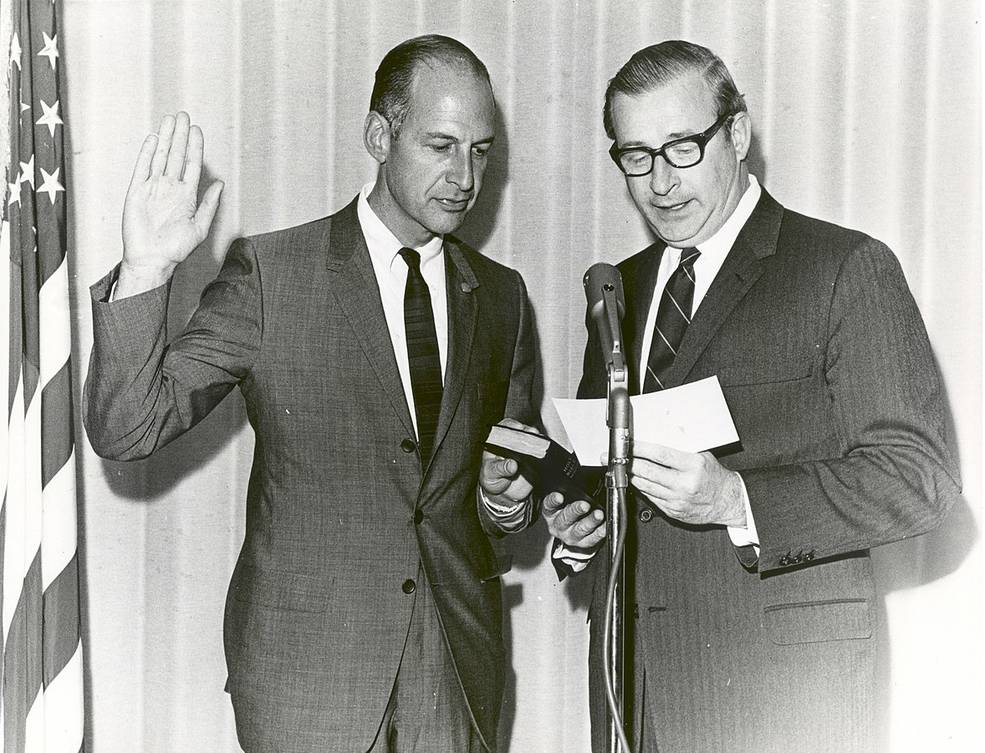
{"x": 865, "y": 113}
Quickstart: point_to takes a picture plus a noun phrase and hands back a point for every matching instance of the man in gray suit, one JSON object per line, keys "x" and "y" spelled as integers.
{"x": 754, "y": 618}
{"x": 373, "y": 351}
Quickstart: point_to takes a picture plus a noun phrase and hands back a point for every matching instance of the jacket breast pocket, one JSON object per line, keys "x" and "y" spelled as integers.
{"x": 818, "y": 621}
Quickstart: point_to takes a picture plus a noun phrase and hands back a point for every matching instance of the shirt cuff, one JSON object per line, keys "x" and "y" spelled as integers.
{"x": 506, "y": 517}
{"x": 745, "y": 535}
{"x": 576, "y": 559}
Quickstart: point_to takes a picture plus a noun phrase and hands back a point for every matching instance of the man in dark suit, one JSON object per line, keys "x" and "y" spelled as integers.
{"x": 753, "y": 617}
{"x": 373, "y": 351}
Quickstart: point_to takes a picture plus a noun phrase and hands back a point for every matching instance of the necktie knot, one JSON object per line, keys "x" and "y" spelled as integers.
{"x": 688, "y": 257}
{"x": 412, "y": 258}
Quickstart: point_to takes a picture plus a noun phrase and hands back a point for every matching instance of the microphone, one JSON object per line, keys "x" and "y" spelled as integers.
{"x": 606, "y": 307}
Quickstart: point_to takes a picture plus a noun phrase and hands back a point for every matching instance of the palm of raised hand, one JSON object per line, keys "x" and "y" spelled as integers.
{"x": 162, "y": 219}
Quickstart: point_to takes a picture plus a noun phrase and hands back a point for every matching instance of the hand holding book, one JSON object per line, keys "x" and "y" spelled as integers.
{"x": 545, "y": 463}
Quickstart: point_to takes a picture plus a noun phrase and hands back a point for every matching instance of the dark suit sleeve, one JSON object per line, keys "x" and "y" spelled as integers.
{"x": 519, "y": 405}
{"x": 141, "y": 393}
{"x": 519, "y": 401}
{"x": 895, "y": 476}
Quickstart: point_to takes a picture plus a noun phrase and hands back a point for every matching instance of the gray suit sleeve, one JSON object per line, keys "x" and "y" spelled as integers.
{"x": 896, "y": 476}
{"x": 140, "y": 392}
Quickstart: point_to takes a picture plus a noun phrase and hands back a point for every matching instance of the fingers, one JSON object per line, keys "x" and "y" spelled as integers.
{"x": 662, "y": 454}
{"x": 514, "y": 424}
{"x": 579, "y": 512}
{"x": 164, "y": 134}
{"x": 658, "y": 493}
{"x": 498, "y": 468}
{"x": 141, "y": 170}
{"x": 576, "y": 524}
{"x": 207, "y": 209}
{"x": 179, "y": 143}
{"x": 552, "y": 503}
{"x": 595, "y": 537}
{"x": 195, "y": 155}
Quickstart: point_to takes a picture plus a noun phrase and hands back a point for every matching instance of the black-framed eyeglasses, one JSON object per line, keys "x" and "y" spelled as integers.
{"x": 688, "y": 151}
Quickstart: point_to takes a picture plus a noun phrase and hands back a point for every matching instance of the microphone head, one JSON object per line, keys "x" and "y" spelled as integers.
{"x": 600, "y": 279}
{"x": 606, "y": 306}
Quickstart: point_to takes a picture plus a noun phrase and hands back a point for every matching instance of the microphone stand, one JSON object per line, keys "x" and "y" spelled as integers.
{"x": 619, "y": 421}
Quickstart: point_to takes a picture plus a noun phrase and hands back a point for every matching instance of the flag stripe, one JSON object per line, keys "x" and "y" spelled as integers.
{"x": 59, "y": 523}
{"x": 60, "y": 607}
{"x": 56, "y": 404}
{"x": 22, "y": 660}
{"x": 55, "y": 345}
{"x": 64, "y": 721}
{"x": 15, "y": 556}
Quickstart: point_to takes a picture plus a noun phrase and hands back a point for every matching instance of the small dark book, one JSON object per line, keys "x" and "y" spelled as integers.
{"x": 545, "y": 463}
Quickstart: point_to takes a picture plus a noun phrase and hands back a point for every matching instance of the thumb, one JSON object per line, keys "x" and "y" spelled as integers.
{"x": 207, "y": 209}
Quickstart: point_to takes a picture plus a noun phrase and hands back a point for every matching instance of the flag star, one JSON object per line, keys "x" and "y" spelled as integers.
{"x": 50, "y": 117}
{"x": 15, "y": 51}
{"x": 27, "y": 172}
{"x": 25, "y": 107}
{"x": 15, "y": 193}
{"x": 50, "y": 49}
{"x": 50, "y": 186}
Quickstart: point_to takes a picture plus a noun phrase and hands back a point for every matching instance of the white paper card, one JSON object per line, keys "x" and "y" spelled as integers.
{"x": 693, "y": 417}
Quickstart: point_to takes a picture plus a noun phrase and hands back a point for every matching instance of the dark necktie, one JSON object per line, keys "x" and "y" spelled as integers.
{"x": 673, "y": 316}
{"x": 422, "y": 352}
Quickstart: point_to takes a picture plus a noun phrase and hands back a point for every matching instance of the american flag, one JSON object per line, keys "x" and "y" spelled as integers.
{"x": 41, "y": 704}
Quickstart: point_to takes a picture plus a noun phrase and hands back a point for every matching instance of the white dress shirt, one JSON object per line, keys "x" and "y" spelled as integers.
{"x": 391, "y": 277}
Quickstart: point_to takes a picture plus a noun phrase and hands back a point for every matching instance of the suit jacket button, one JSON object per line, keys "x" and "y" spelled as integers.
{"x": 408, "y": 445}
{"x": 646, "y": 515}
{"x": 409, "y": 586}
{"x": 785, "y": 560}
{"x": 418, "y": 517}
{"x": 809, "y": 556}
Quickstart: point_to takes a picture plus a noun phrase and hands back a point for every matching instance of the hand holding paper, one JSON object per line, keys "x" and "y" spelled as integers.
{"x": 692, "y": 417}
{"x": 671, "y": 431}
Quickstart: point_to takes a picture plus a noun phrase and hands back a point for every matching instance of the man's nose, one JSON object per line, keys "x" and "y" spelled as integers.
{"x": 462, "y": 172}
{"x": 663, "y": 176}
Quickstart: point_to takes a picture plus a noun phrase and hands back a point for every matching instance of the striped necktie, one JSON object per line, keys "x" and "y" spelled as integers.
{"x": 673, "y": 316}
{"x": 422, "y": 353}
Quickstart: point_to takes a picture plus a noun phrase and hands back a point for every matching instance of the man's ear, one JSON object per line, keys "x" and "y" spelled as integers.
{"x": 376, "y": 136}
{"x": 740, "y": 129}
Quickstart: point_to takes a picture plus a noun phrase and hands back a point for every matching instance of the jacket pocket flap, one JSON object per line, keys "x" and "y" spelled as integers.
{"x": 817, "y": 621}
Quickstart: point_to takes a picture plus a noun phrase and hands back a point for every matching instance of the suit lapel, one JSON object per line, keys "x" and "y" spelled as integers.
{"x": 462, "y": 314}
{"x": 640, "y": 283}
{"x": 358, "y": 294}
{"x": 743, "y": 266}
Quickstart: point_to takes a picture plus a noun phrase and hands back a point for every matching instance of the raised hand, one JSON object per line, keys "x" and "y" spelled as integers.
{"x": 163, "y": 221}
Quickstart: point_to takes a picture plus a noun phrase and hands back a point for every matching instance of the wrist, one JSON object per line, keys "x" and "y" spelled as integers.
{"x": 138, "y": 278}
{"x": 736, "y": 506}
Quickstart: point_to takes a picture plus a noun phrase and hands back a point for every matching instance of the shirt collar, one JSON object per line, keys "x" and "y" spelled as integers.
{"x": 722, "y": 241}
{"x": 382, "y": 243}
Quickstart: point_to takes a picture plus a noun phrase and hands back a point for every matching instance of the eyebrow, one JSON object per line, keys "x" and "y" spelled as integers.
{"x": 670, "y": 137}
{"x": 441, "y": 135}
